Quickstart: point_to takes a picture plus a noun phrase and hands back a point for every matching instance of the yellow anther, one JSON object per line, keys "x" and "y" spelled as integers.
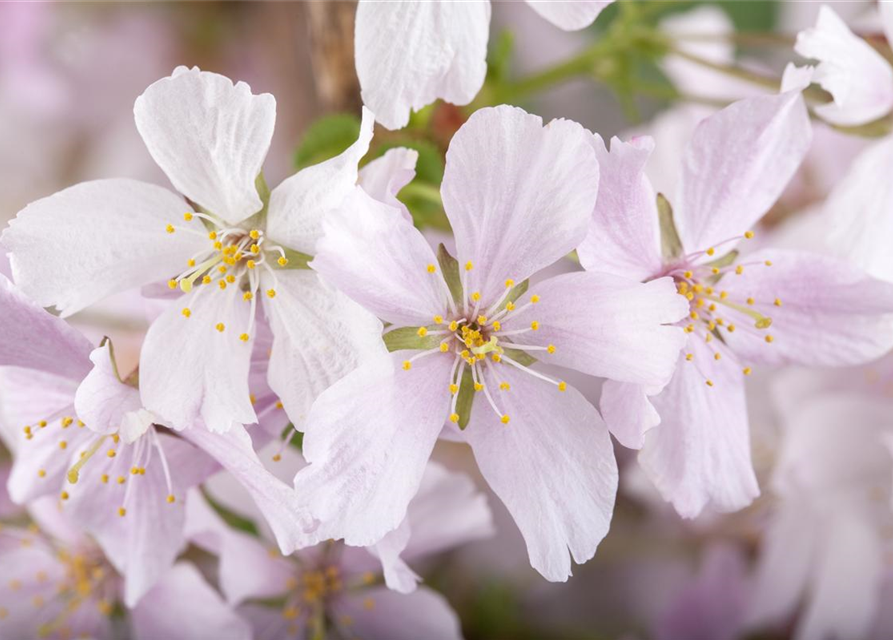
{"x": 438, "y": 319}
{"x": 67, "y": 421}
{"x": 244, "y": 337}
{"x": 750, "y": 301}
{"x": 715, "y": 271}
{"x": 247, "y": 296}
{"x": 504, "y": 386}
{"x": 495, "y": 357}
{"x": 509, "y": 283}
{"x": 688, "y": 274}
{"x": 716, "y": 356}
{"x": 682, "y": 287}
{"x": 535, "y": 325}
{"x": 221, "y": 269}
{"x": 747, "y": 371}
{"x": 170, "y": 228}
{"x": 454, "y": 325}
{"x": 562, "y": 386}
{"x": 206, "y": 279}
{"x": 689, "y": 328}
{"x": 42, "y": 423}
{"x": 134, "y": 471}
{"x": 431, "y": 268}
{"x": 229, "y": 250}
{"x": 465, "y": 353}
{"x": 723, "y": 295}
{"x": 709, "y": 291}
{"x": 229, "y": 260}
{"x": 64, "y": 495}
{"x": 482, "y": 319}
{"x": 186, "y": 312}
{"x": 271, "y": 293}
{"x": 282, "y": 261}
{"x": 769, "y": 338}
{"x": 504, "y": 419}
{"x": 255, "y": 248}
{"x": 63, "y": 445}
{"x": 469, "y": 266}
{"x": 739, "y": 270}
{"x": 748, "y": 234}
{"x": 171, "y": 284}
{"x": 218, "y": 245}
{"x": 230, "y": 278}
{"x": 407, "y": 365}
{"x": 763, "y": 323}
{"x": 252, "y": 398}
{"x": 698, "y": 288}
{"x": 731, "y": 328}
{"x": 476, "y": 296}
{"x": 711, "y": 325}
{"x": 277, "y": 458}
{"x": 212, "y": 235}
{"x": 220, "y": 327}
{"x": 238, "y": 256}
{"x": 534, "y": 299}
{"x": 711, "y": 251}
{"x": 768, "y": 263}
{"x": 122, "y": 511}
{"x": 689, "y": 356}
{"x": 478, "y": 386}
{"x": 120, "y": 479}
{"x": 444, "y": 347}
{"x": 778, "y": 302}
{"x": 279, "y": 404}
{"x": 509, "y": 306}
{"x": 171, "y": 499}
{"x": 454, "y": 417}
{"x": 105, "y": 478}
{"x": 187, "y": 216}
{"x": 693, "y": 315}
{"x": 42, "y": 473}
{"x": 422, "y": 332}
{"x": 116, "y": 438}
{"x": 254, "y": 233}
{"x": 221, "y": 284}
{"x": 550, "y": 348}
{"x": 454, "y": 389}
{"x": 709, "y": 383}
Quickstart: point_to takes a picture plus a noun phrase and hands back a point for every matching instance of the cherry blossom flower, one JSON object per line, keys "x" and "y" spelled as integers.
{"x": 465, "y": 335}
{"x": 769, "y": 307}
{"x": 81, "y": 434}
{"x": 409, "y": 54}
{"x": 234, "y": 244}
{"x": 332, "y": 584}
{"x": 58, "y": 584}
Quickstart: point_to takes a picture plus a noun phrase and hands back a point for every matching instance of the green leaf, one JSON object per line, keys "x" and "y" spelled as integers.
{"x": 326, "y": 138}
{"x": 670, "y": 244}
{"x": 465, "y": 399}
{"x": 500, "y": 57}
{"x": 408, "y": 338}
{"x": 449, "y": 268}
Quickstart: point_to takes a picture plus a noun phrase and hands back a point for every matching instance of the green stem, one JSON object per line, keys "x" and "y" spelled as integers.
{"x": 730, "y": 69}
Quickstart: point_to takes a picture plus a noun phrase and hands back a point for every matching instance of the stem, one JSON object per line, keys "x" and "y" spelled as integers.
{"x": 746, "y": 39}
{"x": 730, "y": 69}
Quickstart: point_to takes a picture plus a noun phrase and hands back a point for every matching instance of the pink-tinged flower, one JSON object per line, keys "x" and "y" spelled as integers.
{"x": 858, "y": 78}
{"x": 826, "y": 547}
{"x": 770, "y": 307}
{"x": 58, "y": 584}
{"x": 409, "y": 54}
{"x": 338, "y": 589}
{"x": 81, "y": 435}
{"x": 234, "y": 245}
{"x": 518, "y": 196}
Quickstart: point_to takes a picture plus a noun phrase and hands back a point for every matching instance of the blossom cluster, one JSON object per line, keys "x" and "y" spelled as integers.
{"x": 308, "y": 346}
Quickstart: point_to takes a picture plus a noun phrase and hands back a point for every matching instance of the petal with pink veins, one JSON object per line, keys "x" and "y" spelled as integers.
{"x": 519, "y": 195}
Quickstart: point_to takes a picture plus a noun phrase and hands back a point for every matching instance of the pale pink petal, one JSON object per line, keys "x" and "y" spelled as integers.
{"x": 886, "y": 9}
{"x": 397, "y": 574}
{"x": 189, "y": 370}
{"x": 851, "y": 70}
{"x": 409, "y": 54}
{"x": 276, "y": 500}
{"x": 368, "y": 439}
{"x": 374, "y": 255}
{"x": 384, "y": 177}
{"x": 102, "y": 400}
{"x": 699, "y": 455}
{"x": 829, "y": 314}
{"x": 35, "y": 339}
{"x": 210, "y": 137}
{"x": 858, "y": 214}
{"x": 605, "y": 325}
{"x": 570, "y": 15}
{"x": 78, "y": 246}
{"x": 382, "y": 614}
{"x": 552, "y": 465}
{"x": 518, "y": 194}
{"x": 320, "y": 335}
{"x": 624, "y": 233}
{"x": 736, "y": 166}
{"x": 182, "y": 606}
{"x": 268, "y": 623}
{"x": 300, "y": 204}
{"x": 628, "y": 412}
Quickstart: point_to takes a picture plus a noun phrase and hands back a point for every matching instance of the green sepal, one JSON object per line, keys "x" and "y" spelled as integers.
{"x": 408, "y": 338}
{"x": 670, "y": 244}
{"x": 449, "y": 268}
{"x": 465, "y": 399}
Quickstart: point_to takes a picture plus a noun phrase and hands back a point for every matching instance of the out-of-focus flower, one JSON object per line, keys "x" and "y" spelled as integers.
{"x": 409, "y": 54}
{"x": 821, "y": 311}
{"x": 58, "y": 584}
{"x": 210, "y": 137}
{"x": 518, "y": 196}
{"x": 336, "y": 585}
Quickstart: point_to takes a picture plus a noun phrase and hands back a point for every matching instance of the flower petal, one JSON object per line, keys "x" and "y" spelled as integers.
{"x": 552, "y": 465}
{"x": 368, "y": 439}
{"x": 182, "y": 606}
{"x": 605, "y": 325}
{"x": 320, "y": 335}
{"x": 851, "y": 70}
{"x": 385, "y": 176}
{"x": 378, "y": 258}
{"x": 736, "y": 165}
{"x": 96, "y": 238}
{"x": 409, "y": 54}
{"x": 830, "y": 313}
{"x": 190, "y": 370}
{"x": 381, "y": 614}
{"x": 699, "y": 455}
{"x": 37, "y": 340}
{"x": 518, "y": 195}
{"x": 570, "y": 15}
{"x": 624, "y": 232}
{"x": 299, "y": 205}
{"x": 210, "y": 137}
{"x": 628, "y": 412}
{"x": 397, "y": 574}
{"x": 102, "y": 400}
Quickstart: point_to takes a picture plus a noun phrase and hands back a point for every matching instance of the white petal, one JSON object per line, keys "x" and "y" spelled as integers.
{"x": 190, "y": 370}
{"x": 518, "y": 194}
{"x": 628, "y": 412}
{"x": 857, "y": 76}
{"x": 320, "y": 335}
{"x": 299, "y": 205}
{"x": 102, "y": 400}
{"x": 570, "y": 15}
{"x": 383, "y": 178}
{"x": 397, "y": 574}
{"x": 81, "y": 244}
{"x": 210, "y": 137}
{"x": 409, "y": 54}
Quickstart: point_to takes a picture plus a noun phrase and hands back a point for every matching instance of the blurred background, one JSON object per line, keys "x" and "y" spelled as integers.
{"x": 70, "y": 72}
